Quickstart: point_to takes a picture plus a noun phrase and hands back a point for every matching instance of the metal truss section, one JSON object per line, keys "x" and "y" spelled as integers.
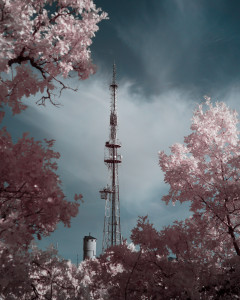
{"x": 112, "y": 227}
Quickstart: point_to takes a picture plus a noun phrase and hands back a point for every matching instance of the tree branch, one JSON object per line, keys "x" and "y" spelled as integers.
{"x": 134, "y": 266}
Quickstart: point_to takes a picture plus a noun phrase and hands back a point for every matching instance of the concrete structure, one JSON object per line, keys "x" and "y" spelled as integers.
{"x": 89, "y": 247}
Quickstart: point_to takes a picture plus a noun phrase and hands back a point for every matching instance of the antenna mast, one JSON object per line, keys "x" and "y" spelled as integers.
{"x": 112, "y": 229}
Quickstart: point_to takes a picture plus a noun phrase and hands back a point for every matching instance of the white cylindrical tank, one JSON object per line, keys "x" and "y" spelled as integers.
{"x": 89, "y": 247}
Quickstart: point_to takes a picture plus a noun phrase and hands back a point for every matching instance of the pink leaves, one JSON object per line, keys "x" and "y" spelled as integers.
{"x": 204, "y": 170}
{"x": 78, "y": 197}
{"x": 40, "y": 41}
{"x": 52, "y": 40}
{"x": 41, "y": 273}
{"x": 145, "y": 235}
{"x": 31, "y": 197}
{"x": 218, "y": 124}
{"x": 2, "y": 114}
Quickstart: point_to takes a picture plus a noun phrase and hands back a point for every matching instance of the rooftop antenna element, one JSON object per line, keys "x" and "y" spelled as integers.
{"x": 112, "y": 229}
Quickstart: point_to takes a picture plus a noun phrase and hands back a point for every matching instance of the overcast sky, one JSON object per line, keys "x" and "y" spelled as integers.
{"x": 169, "y": 54}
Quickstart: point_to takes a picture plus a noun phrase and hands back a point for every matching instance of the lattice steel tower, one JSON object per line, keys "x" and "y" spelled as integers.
{"x": 112, "y": 229}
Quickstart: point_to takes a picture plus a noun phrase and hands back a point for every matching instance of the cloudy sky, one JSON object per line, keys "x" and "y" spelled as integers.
{"x": 169, "y": 54}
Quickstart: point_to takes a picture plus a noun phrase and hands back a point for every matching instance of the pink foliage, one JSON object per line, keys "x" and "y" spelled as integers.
{"x": 40, "y": 275}
{"x": 41, "y": 40}
{"x": 203, "y": 266}
{"x": 32, "y": 204}
{"x": 206, "y": 170}
{"x": 32, "y": 201}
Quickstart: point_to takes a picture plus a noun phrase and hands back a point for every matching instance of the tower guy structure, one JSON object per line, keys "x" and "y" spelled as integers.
{"x": 112, "y": 228}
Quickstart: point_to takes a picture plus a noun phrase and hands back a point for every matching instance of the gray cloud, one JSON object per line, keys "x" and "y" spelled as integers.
{"x": 178, "y": 44}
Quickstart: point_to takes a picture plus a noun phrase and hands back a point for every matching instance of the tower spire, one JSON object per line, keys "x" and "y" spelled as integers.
{"x": 112, "y": 228}
{"x": 113, "y": 88}
{"x": 114, "y": 73}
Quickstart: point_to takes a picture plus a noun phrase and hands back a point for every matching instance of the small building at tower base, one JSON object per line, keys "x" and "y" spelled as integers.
{"x": 89, "y": 247}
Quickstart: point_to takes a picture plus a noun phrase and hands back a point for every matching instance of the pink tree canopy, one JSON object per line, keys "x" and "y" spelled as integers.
{"x": 32, "y": 201}
{"x": 184, "y": 261}
{"x": 41, "y": 40}
{"x": 41, "y": 275}
{"x": 205, "y": 170}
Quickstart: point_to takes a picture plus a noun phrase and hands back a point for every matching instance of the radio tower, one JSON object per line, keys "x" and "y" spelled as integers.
{"x": 112, "y": 228}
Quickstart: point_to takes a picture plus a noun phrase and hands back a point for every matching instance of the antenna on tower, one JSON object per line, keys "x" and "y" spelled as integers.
{"x": 112, "y": 229}
{"x": 114, "y": 73}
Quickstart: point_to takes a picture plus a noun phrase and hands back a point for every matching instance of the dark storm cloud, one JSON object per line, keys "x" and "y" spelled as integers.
{"x": 161, "y": 45}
